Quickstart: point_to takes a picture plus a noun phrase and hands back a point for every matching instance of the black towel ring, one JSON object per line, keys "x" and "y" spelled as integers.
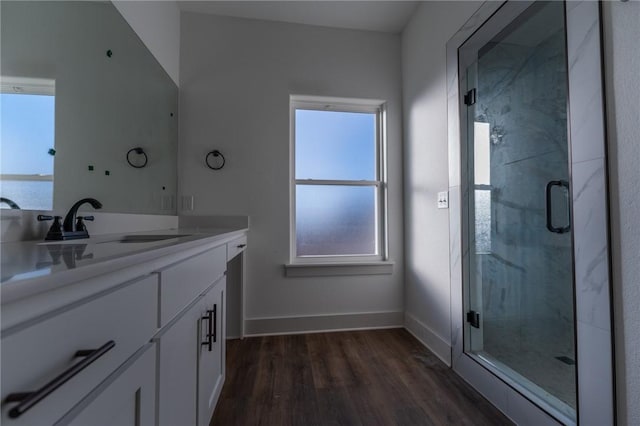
{"x": 139, "y": 151}
{"x": 214, "y": 153}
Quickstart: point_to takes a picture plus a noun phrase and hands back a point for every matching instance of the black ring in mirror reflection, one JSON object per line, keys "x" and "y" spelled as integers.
{"x": 214, "y": 153}
{"x": 138, "y": 151}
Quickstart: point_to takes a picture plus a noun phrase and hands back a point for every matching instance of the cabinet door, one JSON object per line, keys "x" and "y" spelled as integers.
{"x": 178, "y": 360}
{"x": 125, "y": 398}
{"x": 211, "y": 359}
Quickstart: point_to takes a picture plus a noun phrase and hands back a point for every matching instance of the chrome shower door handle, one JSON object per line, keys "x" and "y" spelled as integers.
{"x": 549, "y": 205}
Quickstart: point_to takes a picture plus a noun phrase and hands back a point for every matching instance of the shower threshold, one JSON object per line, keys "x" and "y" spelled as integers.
{"x": 555, "y": 407}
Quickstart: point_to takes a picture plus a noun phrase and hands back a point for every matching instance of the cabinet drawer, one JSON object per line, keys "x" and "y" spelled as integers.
{"x": 41, "y": 353}
{"x": 236, "y": 247}
{"x": 127, "y": 397}
{"x": 182, "y": 283}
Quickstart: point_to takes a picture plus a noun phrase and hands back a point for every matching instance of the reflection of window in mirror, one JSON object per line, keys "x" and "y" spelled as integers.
{"x": 27, "y": 123}
{"x": 482, "y": 184}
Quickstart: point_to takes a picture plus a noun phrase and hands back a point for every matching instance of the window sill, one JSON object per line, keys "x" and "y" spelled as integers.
{"x": 338, "y": 269}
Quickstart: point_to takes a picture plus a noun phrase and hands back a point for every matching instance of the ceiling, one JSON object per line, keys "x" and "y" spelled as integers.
{"x": 385, "y": 16}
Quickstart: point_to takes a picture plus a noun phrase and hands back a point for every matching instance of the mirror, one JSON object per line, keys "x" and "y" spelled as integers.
{"x": 79, "y": 91}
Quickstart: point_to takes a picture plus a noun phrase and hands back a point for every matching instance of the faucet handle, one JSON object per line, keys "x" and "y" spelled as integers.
{"x": 43, "y": 217}
{"x": 80, "y": 223}
{"x": 80, "y": 227}
{"x": 56, "y": 227}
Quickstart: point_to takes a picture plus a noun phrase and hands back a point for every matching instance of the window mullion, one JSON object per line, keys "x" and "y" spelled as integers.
{"x": 338, "y": 182}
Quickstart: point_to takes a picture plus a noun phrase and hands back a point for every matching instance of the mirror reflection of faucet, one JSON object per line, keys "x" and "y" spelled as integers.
{"x": 73, "y": 226}
{"x": 12, "y": 204}
{"x": 69, "y": 253}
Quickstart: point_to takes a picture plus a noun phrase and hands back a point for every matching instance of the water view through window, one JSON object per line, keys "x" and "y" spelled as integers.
{"x": 26, "y": 141}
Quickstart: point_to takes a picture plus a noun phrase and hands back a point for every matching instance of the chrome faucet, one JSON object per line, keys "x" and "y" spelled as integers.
{"x": 73, "y": 226}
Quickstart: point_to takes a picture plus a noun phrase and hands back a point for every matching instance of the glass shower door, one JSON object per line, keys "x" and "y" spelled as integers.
{"x": 519, "y": 271}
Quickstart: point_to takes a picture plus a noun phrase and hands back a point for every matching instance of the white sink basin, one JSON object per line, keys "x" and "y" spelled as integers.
{"x": 146, "y": 238}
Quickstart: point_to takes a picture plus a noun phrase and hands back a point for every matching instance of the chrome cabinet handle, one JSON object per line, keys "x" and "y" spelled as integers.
{"x": 27, "y": 400}
{"x": 550, "y": 227}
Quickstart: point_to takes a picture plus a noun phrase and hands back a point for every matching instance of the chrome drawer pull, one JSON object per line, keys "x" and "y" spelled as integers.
{"x": 28, "y": 399}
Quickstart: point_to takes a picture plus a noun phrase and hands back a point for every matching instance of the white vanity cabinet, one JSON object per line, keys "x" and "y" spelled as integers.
{"x": 177, "y": 374}
{"x": 236, "y": 247}
{"x": 126, "y": 398}
{"x": 191, "y": 344}
{"x": 141, "y": 344}
{"x": 191, "y": 361}
{"x": 212, "y": 351}
{"x": 43, "y": 352}
{"x": 181, "y": 283}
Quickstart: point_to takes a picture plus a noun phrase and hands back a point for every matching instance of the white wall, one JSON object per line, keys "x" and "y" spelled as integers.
{"x": 427, "y": 288}
{"x": 157, "y": 23}
{"x": 622, "y": 55}
{"x": 235, "y": 80}
{"x": 426, "y": 231}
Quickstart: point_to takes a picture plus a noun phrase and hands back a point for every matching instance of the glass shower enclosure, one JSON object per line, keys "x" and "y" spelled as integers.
{"x": 518, "y": 275}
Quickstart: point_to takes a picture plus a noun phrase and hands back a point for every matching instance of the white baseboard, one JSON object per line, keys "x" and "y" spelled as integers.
{"x": 323, "y": 323}
{"x": 346, "y": 322}
{"x": 428, "y": 338}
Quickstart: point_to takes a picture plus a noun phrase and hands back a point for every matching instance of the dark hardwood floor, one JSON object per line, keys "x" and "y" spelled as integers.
{"x": 378, "y": 377}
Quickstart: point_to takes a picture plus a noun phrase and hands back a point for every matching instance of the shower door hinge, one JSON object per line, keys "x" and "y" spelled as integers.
{"x": 470, "y": 97}
{"x": 473, "y": 318}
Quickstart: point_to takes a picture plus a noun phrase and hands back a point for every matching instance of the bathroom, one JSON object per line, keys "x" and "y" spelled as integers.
{"x": 236, "y": 68}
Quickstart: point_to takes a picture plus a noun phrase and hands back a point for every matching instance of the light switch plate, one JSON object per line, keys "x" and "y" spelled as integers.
{"x": 443, "y": 200}
{"x": 167, "y": 202}
{"x": 187, "y": 202}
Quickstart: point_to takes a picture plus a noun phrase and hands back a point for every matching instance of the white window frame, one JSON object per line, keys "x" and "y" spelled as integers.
{"x": 27, "y": 86}
{"x": 319, "y": 103}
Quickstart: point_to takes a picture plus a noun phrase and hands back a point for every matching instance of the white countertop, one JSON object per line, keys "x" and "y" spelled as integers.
{"x": 31, "y": 267}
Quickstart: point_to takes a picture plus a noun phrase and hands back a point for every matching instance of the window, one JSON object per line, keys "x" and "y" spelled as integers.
{"x": 338, "y": 188}
{"x": 27, "y": 110}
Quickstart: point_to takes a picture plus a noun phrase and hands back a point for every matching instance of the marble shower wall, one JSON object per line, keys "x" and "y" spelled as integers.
{"x": 527, "y": 273}
{"x": 590, "y": 231}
